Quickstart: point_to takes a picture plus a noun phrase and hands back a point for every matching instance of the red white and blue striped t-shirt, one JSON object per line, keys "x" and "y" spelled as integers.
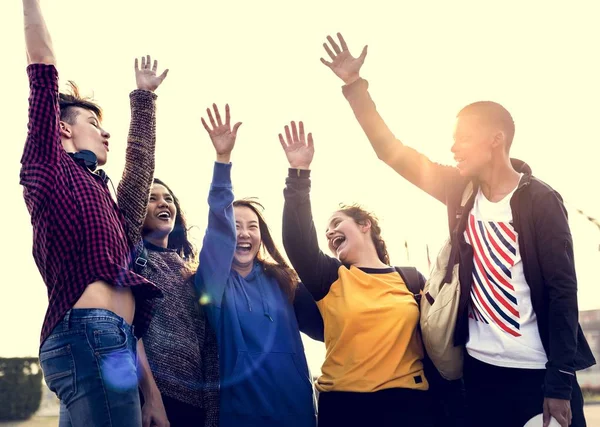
{"x": 503, "y": 327}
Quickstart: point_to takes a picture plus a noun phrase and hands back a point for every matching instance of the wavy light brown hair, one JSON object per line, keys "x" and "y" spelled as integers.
{"x": 361, "y": 216}
{"x": 276, "y": 266}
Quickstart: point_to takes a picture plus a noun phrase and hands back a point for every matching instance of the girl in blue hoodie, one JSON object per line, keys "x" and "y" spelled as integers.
{"x": 256, "y": 307}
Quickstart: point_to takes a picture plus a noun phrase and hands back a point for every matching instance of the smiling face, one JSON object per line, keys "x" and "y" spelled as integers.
{"x": 248, "y": 237}
{"x": 473, "y": 145}
{"x": 346, "y": 239}
{"x": 161, "y": 212}
{"x": 81, "y": 130}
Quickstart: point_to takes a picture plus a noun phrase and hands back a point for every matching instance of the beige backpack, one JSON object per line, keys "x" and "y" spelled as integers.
{"x": 439, "y": 310}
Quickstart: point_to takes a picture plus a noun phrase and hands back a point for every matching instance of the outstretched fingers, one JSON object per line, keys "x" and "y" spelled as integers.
{"x": 163, "y": 75}
{"x": 235, "y": 128}
{"x": 334, "y": 45}
{"x": 342, "y": 42}
{"x": 301, "y": 135}
{"x": 283, "y": 143}
{"x": 329, "y": 52}
{"x": 288, "y": 135}
{"x": 210, "y": 117}
{"x": 227, "y": 115}
{"x": 295, "y": 133}
{"x": 310, "y": 142}
{"x": 363, "y": 54}
{"x": 208, "y": 129}
{"x": 217, "y": 115}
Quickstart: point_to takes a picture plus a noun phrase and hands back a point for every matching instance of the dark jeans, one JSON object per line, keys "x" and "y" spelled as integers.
{"x": 509, "y": 397}
{"x": 395, "y": 407}
{"x": 89, "y": 361}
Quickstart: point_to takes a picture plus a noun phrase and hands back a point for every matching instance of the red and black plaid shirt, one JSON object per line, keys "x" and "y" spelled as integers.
{"x": 78, "y": 230}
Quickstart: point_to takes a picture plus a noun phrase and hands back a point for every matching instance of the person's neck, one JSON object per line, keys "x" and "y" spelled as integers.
{"x": 160, "y": 241}
{"x": 498, "y": 180}
{"x": 369, "y": 260}
{"x": 243, "y": 270}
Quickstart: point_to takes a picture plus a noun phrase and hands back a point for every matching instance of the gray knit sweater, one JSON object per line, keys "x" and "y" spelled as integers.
{"x": 181, "y": 348}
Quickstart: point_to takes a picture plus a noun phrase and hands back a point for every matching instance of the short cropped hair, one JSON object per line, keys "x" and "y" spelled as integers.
{"x": 494, "y": 114}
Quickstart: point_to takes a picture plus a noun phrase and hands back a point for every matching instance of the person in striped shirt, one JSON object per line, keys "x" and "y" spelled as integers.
{"x": 518, "y": 315}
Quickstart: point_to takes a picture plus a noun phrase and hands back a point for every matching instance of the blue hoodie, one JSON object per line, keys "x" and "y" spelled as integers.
{"x": 264, "y": 375}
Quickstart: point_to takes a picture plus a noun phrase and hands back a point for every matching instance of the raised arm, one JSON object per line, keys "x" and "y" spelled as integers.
{"x": 316, "y": 270}
{"x": 412, "y": 165}
{"x": 42, "y": 148}
{"x": 134, "y": 188}
{"x": 310, "y": 320}
{"x": 37, "y": 38}
{"x": 219, "y": 242}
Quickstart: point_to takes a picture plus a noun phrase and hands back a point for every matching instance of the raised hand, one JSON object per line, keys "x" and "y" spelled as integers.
{"x": 298, "y": 149}
{"x": 221, "y": 134}
{"x": 344, "y": 65}
{"x": 145, "y": 77}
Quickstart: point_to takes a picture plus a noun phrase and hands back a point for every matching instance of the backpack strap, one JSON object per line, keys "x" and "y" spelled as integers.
{"x": 413, "y": 279}
{"x": 139, "y": 264}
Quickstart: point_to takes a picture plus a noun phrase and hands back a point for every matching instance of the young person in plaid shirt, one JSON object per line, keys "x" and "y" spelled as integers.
{"x": 88, "y": 343}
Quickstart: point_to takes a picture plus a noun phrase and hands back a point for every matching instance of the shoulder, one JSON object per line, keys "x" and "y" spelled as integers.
{"x": 539, "y": 188}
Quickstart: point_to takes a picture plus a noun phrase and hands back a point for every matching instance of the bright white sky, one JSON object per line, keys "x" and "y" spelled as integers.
{"x": 426, "y": 60}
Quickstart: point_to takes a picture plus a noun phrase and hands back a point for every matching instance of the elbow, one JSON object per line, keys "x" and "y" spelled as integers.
{"x": 40, "y": 58}
{"x": 386, "y": 156}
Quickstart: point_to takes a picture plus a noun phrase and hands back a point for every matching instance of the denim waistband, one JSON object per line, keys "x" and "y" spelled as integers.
{"x": 81, "y": 316}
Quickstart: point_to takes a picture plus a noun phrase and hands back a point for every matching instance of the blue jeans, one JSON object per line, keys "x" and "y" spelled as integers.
{"x": 89, "y": 361}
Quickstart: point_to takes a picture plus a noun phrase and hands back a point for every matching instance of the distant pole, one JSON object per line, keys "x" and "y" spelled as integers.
{"x": 590, "y": 219}
{"x": 407, "y": 253}
{"x": 428, "y": 258}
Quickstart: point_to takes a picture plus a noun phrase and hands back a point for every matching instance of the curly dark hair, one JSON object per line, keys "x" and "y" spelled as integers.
{"x": 361, "y": 216}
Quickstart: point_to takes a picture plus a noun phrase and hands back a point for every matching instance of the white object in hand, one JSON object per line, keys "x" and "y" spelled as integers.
{"x": 538, "y": 421}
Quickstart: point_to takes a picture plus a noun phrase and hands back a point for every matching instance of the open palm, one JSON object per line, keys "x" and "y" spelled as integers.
{"x": 343, "y": 64}
{"x": 299, "y": 149}
{"x": 221, "y": 134}
{"x": 145, "y": 77}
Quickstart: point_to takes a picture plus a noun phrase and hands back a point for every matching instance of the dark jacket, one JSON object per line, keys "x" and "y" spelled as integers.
{"x": 540, "y": 219}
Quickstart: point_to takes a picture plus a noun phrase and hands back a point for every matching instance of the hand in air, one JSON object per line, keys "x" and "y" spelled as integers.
{"x": 221, "y": 134}
{"x": 145, "y": 76}
{"x": 298, "y": 149}
{"x": 343, "y": 64}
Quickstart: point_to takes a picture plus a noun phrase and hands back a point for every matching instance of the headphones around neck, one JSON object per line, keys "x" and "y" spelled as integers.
{"x": 85, "y": 158}
{"x": 88, "y": 160}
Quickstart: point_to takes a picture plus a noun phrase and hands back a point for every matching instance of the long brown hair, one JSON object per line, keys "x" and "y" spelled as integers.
{"x": 279, "y": 269}
{"x": 361, "y": 216}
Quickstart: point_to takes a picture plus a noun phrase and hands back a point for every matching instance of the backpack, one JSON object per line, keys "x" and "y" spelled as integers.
{"x": 447, "y": 396}
{"x": 413, "y": 280}
{"x": 439, "y": 311}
